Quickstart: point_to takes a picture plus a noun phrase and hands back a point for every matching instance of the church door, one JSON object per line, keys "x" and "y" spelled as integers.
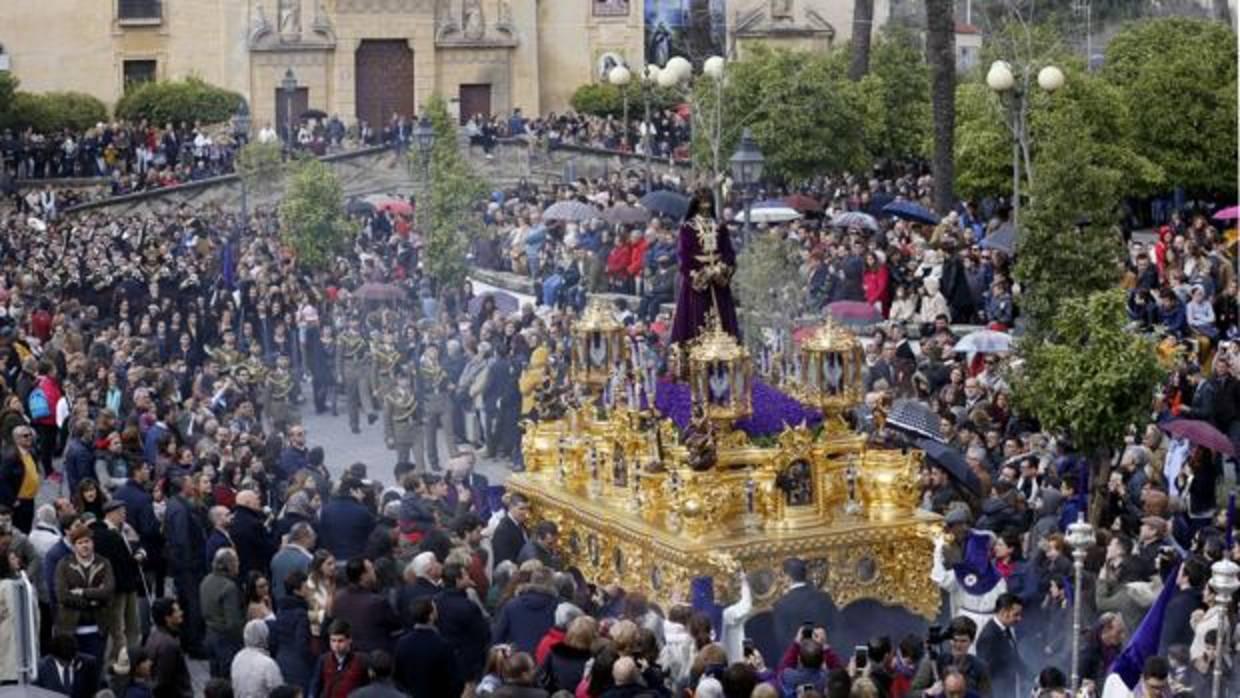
{"x": 383, "y": 80}
{"x": 475, "y": 100}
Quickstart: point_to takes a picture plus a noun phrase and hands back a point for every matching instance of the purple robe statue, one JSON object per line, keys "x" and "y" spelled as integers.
{"x": 707, "y": 261}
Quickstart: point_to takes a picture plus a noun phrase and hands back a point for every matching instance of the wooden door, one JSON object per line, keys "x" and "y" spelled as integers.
{"x": 475, "y": 100}
{"x": 299, "y": 102}
{"x": 383, "y": 81}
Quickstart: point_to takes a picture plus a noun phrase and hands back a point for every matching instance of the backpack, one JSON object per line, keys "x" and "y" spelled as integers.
{"x": 37, "y": 402}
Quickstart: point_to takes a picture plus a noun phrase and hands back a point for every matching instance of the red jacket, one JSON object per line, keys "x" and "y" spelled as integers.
{"x": 553, "y": 637}
{"x": 618, "y": 260}
{"x": 331, "y": 681}
{"x": 51, "y": 390}
{"x": 637, "y": 256}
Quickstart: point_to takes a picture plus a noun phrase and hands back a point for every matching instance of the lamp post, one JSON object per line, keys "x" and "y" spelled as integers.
{"x": 1080, "y": 537}
{"x": 289, "y": 87}
{"x": 241, "y": 136}
{"x": 424, "y": 140}
{"x": 1223, "y": 579}
{"x": 747, "y": 163}
{"x": 650, "y": 77}
{"x": 1015, "y": 99}
{"x": 620, "y": 77}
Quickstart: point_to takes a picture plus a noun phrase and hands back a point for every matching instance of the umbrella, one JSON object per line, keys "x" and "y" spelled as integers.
{"x": 1203, "y": 434}
{"x": 666, "y": 203}
{"x": 915, "y": 418}
{"x": 854, "y": 312}
{"x": 984, "y": 342}
{"x": 372, "y": 291}
{"x": 505, "y": 303}
{"x": 769, "y": 212}
{"x": 1003, "y": 239}
{"x": 358, "y": 207}
{"x": 314, "y": 114}
{"x": 855, "y": 219}
{"x": 570, "y": 211}
{"x": 951, "y": 460}
{"x": 803, "y": 203}
{"x": 385, "y": 202}
{"x": 911, "y": 211}
{"x": 626, "y": 215}
{"x": 1230, "y": 213}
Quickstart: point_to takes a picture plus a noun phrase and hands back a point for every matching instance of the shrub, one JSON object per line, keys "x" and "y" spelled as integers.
{"x": 604, "y": 99}
{"x": 53, "y": 111}
{"x": 175, "y": 101}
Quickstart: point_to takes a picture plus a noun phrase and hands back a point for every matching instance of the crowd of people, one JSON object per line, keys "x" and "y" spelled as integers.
{"x": 156, "y": 369}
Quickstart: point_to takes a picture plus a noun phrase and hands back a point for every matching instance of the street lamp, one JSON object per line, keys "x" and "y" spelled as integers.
{"x": 241, "y": 136}
{"x": 424, "y": 140}
{"x": 747, "y": 163}
{"x": 1080, "y": 537}
{"x": 620, "y": 77}
{"x": 289, "y": 87}
{"x": 1223, "y": 579}
{"x": 650, "y": 77}
{"x": 1014, "y": 96}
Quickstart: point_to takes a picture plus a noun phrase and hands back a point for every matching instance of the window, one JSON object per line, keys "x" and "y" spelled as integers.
{"x": 138, "y": 72}
{"x": 140, "y": 11}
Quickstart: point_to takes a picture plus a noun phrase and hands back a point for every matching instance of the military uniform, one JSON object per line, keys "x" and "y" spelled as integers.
{"x": 354, "y": 371}
{"x": 438, "y": 409}
{"x": 402, "y": 424}
{"x": 279, "y": 405}
{"x": 386, "y": 360}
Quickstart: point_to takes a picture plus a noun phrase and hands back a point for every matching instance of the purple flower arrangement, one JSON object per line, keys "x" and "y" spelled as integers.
{"x": 773, "y": 411}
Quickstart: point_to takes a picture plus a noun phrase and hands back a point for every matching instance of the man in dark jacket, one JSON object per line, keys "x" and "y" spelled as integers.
{"x": 425, "y": 665}
{"x": 186, "y": 541}
{"x": 997, "y": 646}
{"x": 346, "y": 523}
{"x": 461, "y": 623}
{"x": 510, "y": 535}
{"x": 529, "y": 615}
{"x": 79, "y": 461}
{"x": 110, "y": 542}
{"x": 254, "y": 541}
{"x": 340, "y": 670}
{"x": 170, "y": 673}
{"x": 381, "y": 683}
{"x": 541, "y": 546}
{"x": 67, "y": 671}
{"x": 223, "y": 612}
{"x": 1176, "y": 628}
{"x": 365, "y": 610}
{"x": 802, "y": 603}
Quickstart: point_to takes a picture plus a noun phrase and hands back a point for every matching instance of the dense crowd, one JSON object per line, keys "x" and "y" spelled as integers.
{"x": 155, "y": 370}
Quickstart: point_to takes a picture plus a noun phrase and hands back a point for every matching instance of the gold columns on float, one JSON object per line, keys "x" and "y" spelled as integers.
{"x": 598, "y": 347}
{"x": 828, "y": 372}
{"x": 720, "y": 375}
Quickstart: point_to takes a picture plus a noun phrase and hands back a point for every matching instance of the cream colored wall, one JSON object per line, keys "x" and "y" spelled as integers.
{"x": 572, "y": 40}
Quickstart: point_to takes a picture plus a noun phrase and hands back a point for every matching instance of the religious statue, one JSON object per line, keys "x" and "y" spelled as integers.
{"x": 474, "y": 27}
{"x": 797, "y": 484}
{"x": 781, "y": 9}
{"x": 700, "y": 441}
{"x": 290, "y": 17}
{"x": 707, "y": 261}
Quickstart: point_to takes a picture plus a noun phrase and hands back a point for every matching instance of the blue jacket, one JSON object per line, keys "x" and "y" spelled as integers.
{"x": 185, "y": 534}
{"x": 525, "y": 619}
{"x": 345, "y": 524}
{"x": 289, "y": 641}
{"x": 79, "y": 463}
{"x": 58, "y": 552}
{"x": 292, "y": 460}
{"x": 140, "y": 513}
{"x": 150, "y": 444}
{"x": 792, "y": 677}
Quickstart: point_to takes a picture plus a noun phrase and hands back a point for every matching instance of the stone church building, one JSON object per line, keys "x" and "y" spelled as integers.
{"x": 368, "y": 59}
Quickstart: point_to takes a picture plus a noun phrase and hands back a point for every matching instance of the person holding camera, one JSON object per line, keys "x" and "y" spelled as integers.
{"x": 934, "y": 676}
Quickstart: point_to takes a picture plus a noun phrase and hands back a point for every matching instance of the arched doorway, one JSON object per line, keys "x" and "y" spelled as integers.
{"x": 383, "y": 80}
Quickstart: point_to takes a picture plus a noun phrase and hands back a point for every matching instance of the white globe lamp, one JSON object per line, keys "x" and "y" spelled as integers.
{"x": 999, "y": 77}
{"x": 619, "y": 76}
{"x": 1050, "y": 78}
{"x": 714, "y": 67}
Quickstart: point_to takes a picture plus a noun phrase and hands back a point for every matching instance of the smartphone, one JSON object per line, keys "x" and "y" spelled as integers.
{"x": 747, "y": 647}
{"x": 861, "y": 656}
{"x": 807, "y": 630}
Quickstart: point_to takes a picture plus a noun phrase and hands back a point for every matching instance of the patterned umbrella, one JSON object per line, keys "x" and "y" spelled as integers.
{"x": 803, "y": 203}
{"x": 666, "y": 203}
{"x": 854, "y": 313}
{"x": 855, "y": 219}
{"x": 570, "y": 211}
{"x": 1199, "y": 433}
{"x": 911, "y": 211}
{"x": 915, "y": 418}
{"x": 626, "y": 215}
{"x": 984, "y": 342}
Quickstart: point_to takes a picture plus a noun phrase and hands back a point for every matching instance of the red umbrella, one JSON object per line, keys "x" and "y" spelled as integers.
{"x": 854, "y": 313}
{"x": 383, "y": 202}
{"x": 1199, "y": 433}
{"x": 803, "y": 203}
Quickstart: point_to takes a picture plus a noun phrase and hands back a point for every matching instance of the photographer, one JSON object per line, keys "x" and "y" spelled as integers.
{"x": 932, "y": 676}
{"x": 808, "y": 672}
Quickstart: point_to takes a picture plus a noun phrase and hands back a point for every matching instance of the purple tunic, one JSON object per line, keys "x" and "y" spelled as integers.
{"x": 692, "y": 305}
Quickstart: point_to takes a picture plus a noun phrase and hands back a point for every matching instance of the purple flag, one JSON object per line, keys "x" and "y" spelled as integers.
{"x": 1144, "y": 642}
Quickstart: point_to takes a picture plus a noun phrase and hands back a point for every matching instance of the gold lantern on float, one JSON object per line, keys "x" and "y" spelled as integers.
{"x": 720, "y": 375}
{"x": 830, "y": 367}
{"x": 598, "y": 346}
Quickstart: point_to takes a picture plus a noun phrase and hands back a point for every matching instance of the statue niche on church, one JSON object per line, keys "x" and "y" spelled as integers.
{"x": 781, "y": 9}
{"x": 472, "y": 21}
{"x": 290, "y": 18}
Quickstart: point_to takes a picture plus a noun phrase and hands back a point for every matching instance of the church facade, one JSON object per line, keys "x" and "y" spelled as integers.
{"x": 370, "y": 59}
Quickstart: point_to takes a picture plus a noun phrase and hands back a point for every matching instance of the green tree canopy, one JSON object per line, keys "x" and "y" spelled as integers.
{"x": 605, "y": 99}
{"x": 898, "y": 63}
{"x": 52, "y": 111}
{"x": 188, "y": 100}
{"x": 768, "y": 285}
{"x": 450, "y": 203}
{"x": 312, "y": 217}
{"x": 1177, "y": 78}
{"x": 262, "y": 165}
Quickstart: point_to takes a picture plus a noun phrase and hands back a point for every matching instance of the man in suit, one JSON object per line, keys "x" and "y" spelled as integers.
{"x": 110, "y": 542}
{"x": 1190, "y": 581}
{"x": 365, "y": 610}
{"x": 294, "y": 556}
{"x": 461, "y": 623}
{"x": 802, "y": 603}
{"x": 65, "y": 670}
{"x": 997, "y": 646}
{"x": 379, "y": 664}
{"x": 219, "y": 536}
{"x": 187, "y": 565}
{"x": 510, "y": 534}
{"x": 425, "y": 664}
{"x": 251, "y": 535}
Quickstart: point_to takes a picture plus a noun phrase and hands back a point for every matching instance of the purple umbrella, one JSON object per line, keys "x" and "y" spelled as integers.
{"x": 505, "y": 303}
{"x": 1199, "y": 433}
{"x": 1230, "y": 213}
{"x": 854, "y": 313}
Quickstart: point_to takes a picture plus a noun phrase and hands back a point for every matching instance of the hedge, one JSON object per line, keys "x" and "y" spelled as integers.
{"x": 53, "y": 111}
{"x": 186, "y": 100}
{"x": 604, "y": 99}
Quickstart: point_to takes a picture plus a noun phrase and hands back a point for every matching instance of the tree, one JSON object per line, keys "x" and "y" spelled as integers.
{"x": 261, "y": 165}
{"x": 450, "y": 202}
{"x": 1090, "y": 379}
{"x": 8, "y": 89}
{"x": 768, "y": 286}
{"x": 983, "y": 145}
{"x": 312, "y": 217}
{"x": 862, "y": 32}
{"x": 52, "y": 111}
{"x": 1177, "y": 77}
{"x": 899, "y": 65}
{"x": 188, "y": 100}
{"x": 941, "y": 55}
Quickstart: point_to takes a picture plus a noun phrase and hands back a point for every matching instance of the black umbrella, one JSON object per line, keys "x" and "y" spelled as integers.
{"x": 916, "y": 419}
{"x": 952, "y": 462}
{"x": 358, "y": 207}
{"x": 666, "y": 203}
{"x": 314, "y": 114}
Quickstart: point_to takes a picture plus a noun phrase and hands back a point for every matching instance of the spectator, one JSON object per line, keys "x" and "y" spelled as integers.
{"x": 254, "y": 673}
